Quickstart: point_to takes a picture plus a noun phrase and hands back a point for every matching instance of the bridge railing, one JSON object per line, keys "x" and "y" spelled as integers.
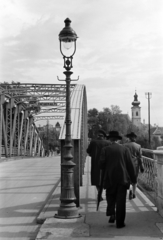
{"x": 14, "y": 152}
{"x": 152, "y": 179}
{"x": 148, "y": 178}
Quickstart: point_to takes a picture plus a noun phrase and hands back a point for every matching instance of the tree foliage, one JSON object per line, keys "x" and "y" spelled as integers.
{"x": 109, "y": 119}
{"x": 50, "y": 137}
{"x": 112, "y": 119}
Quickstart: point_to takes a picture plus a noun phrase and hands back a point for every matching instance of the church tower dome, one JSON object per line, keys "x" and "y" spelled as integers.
{"x": 136, "y": 111}
{"x": 135, "y": 102}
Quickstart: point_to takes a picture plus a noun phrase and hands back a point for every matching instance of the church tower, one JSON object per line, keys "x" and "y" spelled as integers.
{"x": 136, "y": 111}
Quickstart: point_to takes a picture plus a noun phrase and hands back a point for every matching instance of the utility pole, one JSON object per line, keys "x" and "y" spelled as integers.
{"x": 48, "y": 137}
{"x": 148, "y": 95}
{"x": 1, "y": 113}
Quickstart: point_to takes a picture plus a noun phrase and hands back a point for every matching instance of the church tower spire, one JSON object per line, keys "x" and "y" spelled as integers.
{"x": 136, "y": 111}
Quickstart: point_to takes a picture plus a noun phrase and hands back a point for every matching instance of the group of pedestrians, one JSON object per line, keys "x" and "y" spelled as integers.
{"x": 114, "y": 167}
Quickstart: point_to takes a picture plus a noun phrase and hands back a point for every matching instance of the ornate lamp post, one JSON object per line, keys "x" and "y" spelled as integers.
{"x": 67, "y": 209}
{"x": 148, "y": 95}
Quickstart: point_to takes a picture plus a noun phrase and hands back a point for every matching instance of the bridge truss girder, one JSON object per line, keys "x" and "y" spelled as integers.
{"x": 57, "y": 117}
{"x": 19, "y": 131}
{"x": 17, "y": 126}
{"x": 52, "y": 110}
{"x": 44, "y": 94}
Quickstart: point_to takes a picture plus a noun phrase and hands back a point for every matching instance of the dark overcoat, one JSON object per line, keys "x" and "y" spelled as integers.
{"x": 136, "y": 153}
{"x": 94, "y": 151}
{"x": 119, "y": 168}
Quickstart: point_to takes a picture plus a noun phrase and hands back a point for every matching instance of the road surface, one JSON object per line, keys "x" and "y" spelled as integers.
{"x": 25, "y": 185}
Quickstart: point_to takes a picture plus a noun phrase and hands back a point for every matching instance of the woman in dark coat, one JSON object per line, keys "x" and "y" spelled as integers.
{"x": 94, "y": 151}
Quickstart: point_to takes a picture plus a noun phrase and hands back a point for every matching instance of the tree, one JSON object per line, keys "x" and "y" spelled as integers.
{"x": 103, "y": 118}
{"x": 50, "y": 136}
{"x": 108, "y": 120}
{"x": 112, "y": 119}
{"x": 161, "y": 140}
{"x": 115, "y": 109}
{"x": 93, "y": 122}
{"x": 92, "y": 116}
{"x": 156, "y": 142}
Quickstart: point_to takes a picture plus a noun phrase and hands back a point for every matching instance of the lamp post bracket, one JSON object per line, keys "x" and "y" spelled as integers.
{"x": 60, "y": 79}
{"x": 65, "y": 79}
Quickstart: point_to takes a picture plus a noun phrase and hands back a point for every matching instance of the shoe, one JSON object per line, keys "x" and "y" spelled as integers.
{"x": 130, "y": 195}
{"x": 112, "y": 219}
{"x": 101, "y": 199}
{"x": 121, "y": 226}
{"x": 141, "y": 169}
{"x": 133, "y": 196}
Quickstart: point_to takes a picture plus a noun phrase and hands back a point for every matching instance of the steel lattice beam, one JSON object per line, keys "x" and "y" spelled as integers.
{"x": 44, "y": 94}
{"x": 18, "y": 129}
{"x": 38, "y": 118}
{"x": 35, "y": 90}
{"x": 52, "y": 110}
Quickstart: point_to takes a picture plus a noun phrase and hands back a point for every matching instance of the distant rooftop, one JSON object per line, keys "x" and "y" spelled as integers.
{"x": 158, "y": 131}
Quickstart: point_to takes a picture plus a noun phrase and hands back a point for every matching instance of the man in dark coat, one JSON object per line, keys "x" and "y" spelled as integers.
{"x": 119, "y": 172}
{"x": 94, "y": 151}
{"x": 136, "y": 153}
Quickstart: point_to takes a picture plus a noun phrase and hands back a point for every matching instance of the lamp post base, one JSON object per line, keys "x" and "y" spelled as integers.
{"x": 67, "y": 217}
{"x": 68, "y": 212}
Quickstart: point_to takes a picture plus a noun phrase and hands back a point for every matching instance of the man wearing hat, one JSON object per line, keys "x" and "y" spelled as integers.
{"x": 94, "y": 151}
{"x": 119, "y": 169}
{"x": 136, "y": 153}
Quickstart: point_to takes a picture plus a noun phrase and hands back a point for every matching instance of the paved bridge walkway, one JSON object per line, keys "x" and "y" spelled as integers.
{"x": 142, "y": 219}
{"x": 27, "y": 184}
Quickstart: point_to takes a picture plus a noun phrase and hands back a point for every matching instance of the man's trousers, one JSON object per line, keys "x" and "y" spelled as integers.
{"x": 116, "y": 202}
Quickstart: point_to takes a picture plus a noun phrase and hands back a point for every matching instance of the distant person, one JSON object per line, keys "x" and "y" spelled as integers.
{"x": 136, "y": 153}
{"x": 94, "y": 151}
{"x": 119, "y": 169}
{"x": 46, "y": 153}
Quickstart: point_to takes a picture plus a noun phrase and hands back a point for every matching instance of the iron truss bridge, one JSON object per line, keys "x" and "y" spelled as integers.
{"x": 37, "y": 95}
{"x": 21, "y": 105}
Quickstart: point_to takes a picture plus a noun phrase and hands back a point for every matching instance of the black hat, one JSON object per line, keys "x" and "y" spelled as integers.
{"x": 114, "y": 134}
{"x": 101, "y": 133}
{"x": 131, "y": 134}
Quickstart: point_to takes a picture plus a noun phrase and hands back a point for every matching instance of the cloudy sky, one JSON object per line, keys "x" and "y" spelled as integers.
{"x": 119, "y": 49}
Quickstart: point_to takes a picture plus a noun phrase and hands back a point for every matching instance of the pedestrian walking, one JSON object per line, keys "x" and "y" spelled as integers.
{"x": 136, "y": 153}
{"x": 94, "y": 151}
{"x": 119, "y": 172}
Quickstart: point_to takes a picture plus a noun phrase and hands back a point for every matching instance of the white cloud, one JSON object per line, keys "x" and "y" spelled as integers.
{"x": 14, "y": 17}
{"x": 119, "y": 48}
